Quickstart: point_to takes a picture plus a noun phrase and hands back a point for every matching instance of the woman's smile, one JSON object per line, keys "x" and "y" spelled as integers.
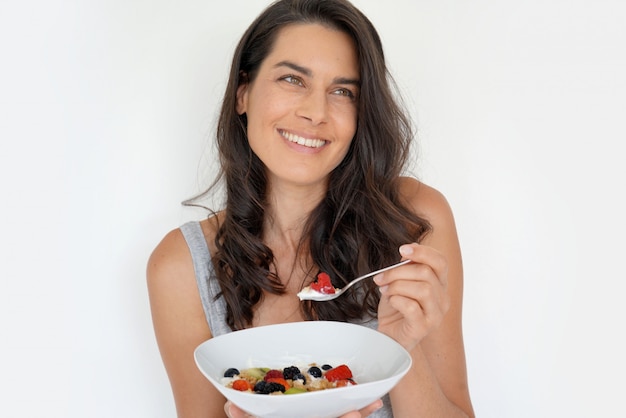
{"x": 300, "y": 140}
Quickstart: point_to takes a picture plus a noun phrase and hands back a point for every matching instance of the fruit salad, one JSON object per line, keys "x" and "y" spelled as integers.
{"x": 322, "y": 286}
{"x": 288, "y": 381}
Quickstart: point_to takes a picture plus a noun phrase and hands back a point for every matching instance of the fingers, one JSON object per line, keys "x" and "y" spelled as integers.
{"x": 411, "y": 295}
{"x": 428, "y": 266}
{"x": 365, "y": 412}
{"x": 370, "y": 409}
{"x": 414, "y": 296}
{"x": 227, "y": 406}
{"x": 233, "y": 412}
{"x": 422, "y": 314}
{"x": 428, "y": 256}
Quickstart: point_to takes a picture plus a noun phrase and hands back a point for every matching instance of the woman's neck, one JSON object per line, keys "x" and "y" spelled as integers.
{"x": 288, "y": 210}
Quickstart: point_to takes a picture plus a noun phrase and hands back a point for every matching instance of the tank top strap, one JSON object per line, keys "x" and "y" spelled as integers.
{"x": 213, "y": 303}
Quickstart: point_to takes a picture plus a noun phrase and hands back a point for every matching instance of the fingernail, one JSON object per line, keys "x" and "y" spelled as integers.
{"x": 406, "y": 250}
{"x": 383, "y": 289}
{"x": 378, "y": 278}
{"x": 227, "y": 407}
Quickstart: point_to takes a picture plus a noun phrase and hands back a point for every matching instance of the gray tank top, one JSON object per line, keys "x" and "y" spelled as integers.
{"x": 209, "y": 288}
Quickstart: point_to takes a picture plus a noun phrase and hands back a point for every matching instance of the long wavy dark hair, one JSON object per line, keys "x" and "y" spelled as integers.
{"x": 361, "y": 221}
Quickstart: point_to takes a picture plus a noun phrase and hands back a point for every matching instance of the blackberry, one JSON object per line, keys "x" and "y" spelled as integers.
{"x": 327, "y": 367}
{"x": 265, "y": 388}
{"x": 231, "y": 372}
{"x": 315, "y": 371}
{"x": 290, "y": 372}
{"x": 299, "y": 376}
{"x": 275, "y": 387}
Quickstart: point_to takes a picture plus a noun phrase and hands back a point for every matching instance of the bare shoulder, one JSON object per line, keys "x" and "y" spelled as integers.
{"x": 172, "y": 285}
{"x": 175, "y": 302}
{"x": 173, "y": 290}
{"x": 170, "y": 259}
{"x": 427, "y": 202}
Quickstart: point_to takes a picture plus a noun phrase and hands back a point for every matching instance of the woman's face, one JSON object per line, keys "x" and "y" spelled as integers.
{"x": 302, "y": 106}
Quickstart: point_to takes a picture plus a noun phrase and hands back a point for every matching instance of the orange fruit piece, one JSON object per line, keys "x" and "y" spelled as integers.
{"x": 241, "y": 385}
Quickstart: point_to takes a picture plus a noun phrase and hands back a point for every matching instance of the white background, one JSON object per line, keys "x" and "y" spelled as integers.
{"x": 106, "y": 113}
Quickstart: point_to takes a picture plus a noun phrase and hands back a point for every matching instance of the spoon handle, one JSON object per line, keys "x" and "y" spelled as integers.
{"x": 375, "y": 272}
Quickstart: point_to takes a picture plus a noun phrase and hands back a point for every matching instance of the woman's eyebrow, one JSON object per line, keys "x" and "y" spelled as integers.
{"x": 307, "y": 72}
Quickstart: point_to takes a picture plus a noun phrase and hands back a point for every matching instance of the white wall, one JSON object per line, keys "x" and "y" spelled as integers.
{"x": 106, "y": 109}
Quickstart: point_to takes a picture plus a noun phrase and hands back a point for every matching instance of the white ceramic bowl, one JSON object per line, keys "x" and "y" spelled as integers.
{"x": 377, "y": 363}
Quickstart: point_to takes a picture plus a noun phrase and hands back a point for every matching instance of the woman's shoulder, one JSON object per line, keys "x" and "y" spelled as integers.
{"x": 425, "y": 200}
{"x": 172, "y": 258}
{"x": 430, "y": 204}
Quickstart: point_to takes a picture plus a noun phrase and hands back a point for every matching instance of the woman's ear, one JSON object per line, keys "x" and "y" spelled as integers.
{"x": 242, "y": 98}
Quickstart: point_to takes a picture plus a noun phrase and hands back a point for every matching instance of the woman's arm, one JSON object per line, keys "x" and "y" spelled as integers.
{"x": 180, "y": 326}
{"x": 421, "y": 307}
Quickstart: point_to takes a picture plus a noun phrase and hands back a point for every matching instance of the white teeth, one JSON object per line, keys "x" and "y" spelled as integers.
{"x": 311, "y": 143}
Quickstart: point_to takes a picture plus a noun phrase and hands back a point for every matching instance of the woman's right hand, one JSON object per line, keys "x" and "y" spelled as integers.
{"x": 232, "y": 411}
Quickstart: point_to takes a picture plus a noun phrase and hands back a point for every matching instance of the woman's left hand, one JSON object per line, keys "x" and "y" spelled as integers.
{"x": 233, "y": 412}
{"x": 413, "y": 297}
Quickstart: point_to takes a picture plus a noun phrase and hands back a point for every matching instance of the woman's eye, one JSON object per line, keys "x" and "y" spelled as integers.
{"x": 345, "y": 92}
{"x": 292, "y": 80}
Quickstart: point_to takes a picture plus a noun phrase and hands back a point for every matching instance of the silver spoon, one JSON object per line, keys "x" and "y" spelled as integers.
{"x": 308, "y": 294}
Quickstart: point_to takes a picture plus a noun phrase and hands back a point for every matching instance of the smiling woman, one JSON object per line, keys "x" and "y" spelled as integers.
{"x": 312, "y": 145}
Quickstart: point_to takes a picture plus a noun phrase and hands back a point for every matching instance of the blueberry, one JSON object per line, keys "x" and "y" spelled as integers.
{"x": 259, "y": 387}
{"x": 327, "y": 367}
{"x": 315, "y": 371}
{"x": 299, "y": 376}
{"x": 231, "y": 372}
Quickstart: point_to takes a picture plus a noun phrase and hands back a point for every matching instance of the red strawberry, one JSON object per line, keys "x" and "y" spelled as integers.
{"x": 241, "y": 385}
{"x": 273, "y": 374}
{"x": 345, "y": 382}
{"x": 323, "y": 284}
{"x": 341, "y": 372}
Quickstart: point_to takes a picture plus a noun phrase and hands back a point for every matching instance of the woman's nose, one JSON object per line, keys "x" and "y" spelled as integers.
{"x": 314, "y": 107}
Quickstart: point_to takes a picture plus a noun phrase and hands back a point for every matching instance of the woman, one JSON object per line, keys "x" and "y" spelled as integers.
{"x": 312, "y": 147}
